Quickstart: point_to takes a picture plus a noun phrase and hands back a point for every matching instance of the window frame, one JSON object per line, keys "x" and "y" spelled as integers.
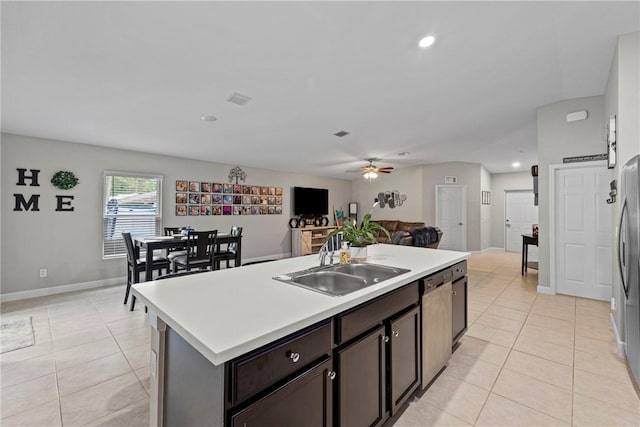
{"x": 106, "y": 197}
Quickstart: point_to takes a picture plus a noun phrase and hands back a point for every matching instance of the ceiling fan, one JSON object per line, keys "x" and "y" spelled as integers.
{"x": 371, "y": 171}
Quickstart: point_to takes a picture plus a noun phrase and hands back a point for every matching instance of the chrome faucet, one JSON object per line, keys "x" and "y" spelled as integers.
{"x": 329, "y": 247}
{"x": 324, "y": 250}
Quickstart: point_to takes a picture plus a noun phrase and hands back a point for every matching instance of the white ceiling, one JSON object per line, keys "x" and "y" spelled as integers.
{"x": 140, "y": 75}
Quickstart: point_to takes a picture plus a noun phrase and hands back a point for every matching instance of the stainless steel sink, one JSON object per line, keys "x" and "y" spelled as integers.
{"x": 374, "y": 272}
{"x": 339, "y": 280}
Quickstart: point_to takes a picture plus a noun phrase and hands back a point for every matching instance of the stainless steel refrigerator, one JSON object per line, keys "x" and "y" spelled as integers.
{"x": 629, "y": 261}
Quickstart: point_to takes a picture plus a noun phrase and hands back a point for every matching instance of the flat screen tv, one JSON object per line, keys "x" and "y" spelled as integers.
{"x": 310, "y": 201}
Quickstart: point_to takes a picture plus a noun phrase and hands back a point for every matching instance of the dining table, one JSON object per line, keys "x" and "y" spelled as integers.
{"x": 149, "y": 244}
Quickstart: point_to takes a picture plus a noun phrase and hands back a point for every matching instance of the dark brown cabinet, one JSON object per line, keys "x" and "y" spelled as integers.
{"x": 306, "y": 400}
{"x": 404, "y": 357}
{"x": 458, "y": 308}
{"x": 362, "y": 381}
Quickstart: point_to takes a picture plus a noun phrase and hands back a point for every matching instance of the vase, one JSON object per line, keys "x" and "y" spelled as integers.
{"x": 358, "y": 253}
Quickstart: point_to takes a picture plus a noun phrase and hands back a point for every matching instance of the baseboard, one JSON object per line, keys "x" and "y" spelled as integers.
{"x": 43, "y": 292}
{"x": 490, "y": 249}
{"x": 545, "y": 290}
{"x": 620, "y": 344}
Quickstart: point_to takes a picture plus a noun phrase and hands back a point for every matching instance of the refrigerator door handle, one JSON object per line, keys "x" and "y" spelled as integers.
{"x": 620, "y": 267}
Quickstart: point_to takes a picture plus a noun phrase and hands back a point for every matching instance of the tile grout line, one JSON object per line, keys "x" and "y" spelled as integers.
{"x": 506, "y": 358}
{"x": 55, "y": 366}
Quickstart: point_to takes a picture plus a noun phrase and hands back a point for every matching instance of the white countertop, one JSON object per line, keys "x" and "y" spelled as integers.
{"x": 227, "y": 313}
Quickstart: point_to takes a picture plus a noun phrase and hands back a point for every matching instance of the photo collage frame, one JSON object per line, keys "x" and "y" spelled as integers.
{"x": 197, "y": 198}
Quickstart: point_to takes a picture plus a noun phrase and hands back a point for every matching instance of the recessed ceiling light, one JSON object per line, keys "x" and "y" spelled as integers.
{"x": 404, "y": 153}
{"x": 208, "y": 118}
{"x": 427, "y": 41}
{"x": 515, "y": 164}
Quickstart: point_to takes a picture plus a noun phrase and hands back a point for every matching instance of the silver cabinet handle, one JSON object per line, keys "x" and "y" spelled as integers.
{"x": 294, "y": 357}
{"x": 386, "y": 338}
{"x": 331, "y": 375}
{"x": 396, "y": 333}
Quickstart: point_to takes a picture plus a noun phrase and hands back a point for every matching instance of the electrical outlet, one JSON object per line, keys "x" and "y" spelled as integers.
{"x": 43, "y": 272}
{"x": 613, "y": 304}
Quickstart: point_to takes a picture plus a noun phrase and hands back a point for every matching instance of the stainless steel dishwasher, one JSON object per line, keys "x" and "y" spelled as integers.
{"x": 436, "y": 324}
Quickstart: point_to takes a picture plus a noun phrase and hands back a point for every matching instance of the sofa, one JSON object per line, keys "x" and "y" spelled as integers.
{"x": 402, "y": 233}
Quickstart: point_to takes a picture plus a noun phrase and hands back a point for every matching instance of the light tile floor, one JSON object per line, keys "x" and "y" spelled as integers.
{"x": 526, "y": 360}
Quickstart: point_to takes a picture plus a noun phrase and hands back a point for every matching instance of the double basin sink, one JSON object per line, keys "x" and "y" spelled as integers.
{"x": 341, "y": 279}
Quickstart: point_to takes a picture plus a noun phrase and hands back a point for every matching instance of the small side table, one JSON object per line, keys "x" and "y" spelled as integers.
{"x": 528, "y": 239}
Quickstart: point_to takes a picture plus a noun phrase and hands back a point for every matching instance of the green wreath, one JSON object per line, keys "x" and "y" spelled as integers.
{"x": 64, "y": 180}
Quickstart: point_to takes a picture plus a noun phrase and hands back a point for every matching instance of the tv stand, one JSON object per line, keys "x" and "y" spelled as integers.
{"x": 308, "y": 240}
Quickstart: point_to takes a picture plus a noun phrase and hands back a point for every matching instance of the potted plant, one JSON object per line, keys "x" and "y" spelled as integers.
{"x": 359, "y": 237}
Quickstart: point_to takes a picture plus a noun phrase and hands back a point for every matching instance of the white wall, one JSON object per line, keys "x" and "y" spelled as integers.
{"x": 558, "y": 139}
{"x": 500, "y": 183}
{"x": 69, "y": 244}
{"x": 468, "y": 174}
{"x": 407, "y": 181}
{"x": 485, "y": 210}
{"x": 622, "y": 99}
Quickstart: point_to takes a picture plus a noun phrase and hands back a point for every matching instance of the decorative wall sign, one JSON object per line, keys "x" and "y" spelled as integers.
{"x": 63, "y": 203}
{"x": 588, "y": 158}
{"x": 390, "y": 198}
{"x": 196, "y": 198}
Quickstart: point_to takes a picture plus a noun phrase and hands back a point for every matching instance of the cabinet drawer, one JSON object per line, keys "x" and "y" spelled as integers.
{"x": 259, "y": 370}
{"x": 459, "y": 270}
{"x": 306, "y": 400}
{"x": 368, "y": 315}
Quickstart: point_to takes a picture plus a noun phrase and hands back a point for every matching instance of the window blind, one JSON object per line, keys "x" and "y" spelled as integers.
{"x": 131, "y": 204}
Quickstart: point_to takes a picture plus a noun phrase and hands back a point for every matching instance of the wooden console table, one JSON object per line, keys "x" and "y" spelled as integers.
{"x": 528, "y": 239}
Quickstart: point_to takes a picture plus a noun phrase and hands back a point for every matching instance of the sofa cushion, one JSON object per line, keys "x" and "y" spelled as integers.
{"x": 408, "y": 226}
{"x": 391, "y": 226}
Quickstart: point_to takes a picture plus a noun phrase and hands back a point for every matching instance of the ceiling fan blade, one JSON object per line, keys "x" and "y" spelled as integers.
{"x": 381, "y": 171}
{"x": 386, "y": 168}
{"x": 355, "y": 170}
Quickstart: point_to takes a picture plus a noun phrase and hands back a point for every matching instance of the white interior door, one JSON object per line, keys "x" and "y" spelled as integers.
{"x": 451, "y": 209}
{"x": 583, "y": 232}
{"x": 520, "y": 214}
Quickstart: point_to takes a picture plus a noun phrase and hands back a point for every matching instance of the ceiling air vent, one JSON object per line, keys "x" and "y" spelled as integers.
{"x": 341, "y": 134}
{"x": 239, "y": 99}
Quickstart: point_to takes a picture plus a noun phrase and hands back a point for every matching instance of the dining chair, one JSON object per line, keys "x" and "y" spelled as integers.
{"x": 172, "y": 252}
{"x": 171, "y": 231}
{"x": 201, "y": 246}
{"x": 231, "y": 252}
{"x": 137, "y": 265}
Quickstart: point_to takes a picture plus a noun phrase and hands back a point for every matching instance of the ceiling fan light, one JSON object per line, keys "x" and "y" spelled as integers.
{"x": 370, "y": 175}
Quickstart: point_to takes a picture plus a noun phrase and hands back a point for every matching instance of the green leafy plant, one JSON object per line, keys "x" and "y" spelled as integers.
{"x": 362, "y": 235}
{"x": 64, "y": 180}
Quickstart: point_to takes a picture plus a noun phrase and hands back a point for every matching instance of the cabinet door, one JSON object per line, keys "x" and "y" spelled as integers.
{"x": 361, "y": 377}
{"x": 459, "y": 309}
{"x": 304, "y": 401}
{"x": 404, "y": 357}
{"x": 305, "y": 243}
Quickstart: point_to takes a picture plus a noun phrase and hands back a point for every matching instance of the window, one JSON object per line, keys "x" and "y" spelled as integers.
{"x": 131, "y": 204}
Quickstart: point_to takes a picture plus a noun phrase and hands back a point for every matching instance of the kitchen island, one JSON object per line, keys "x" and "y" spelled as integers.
{"x": 207, "y": 327}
